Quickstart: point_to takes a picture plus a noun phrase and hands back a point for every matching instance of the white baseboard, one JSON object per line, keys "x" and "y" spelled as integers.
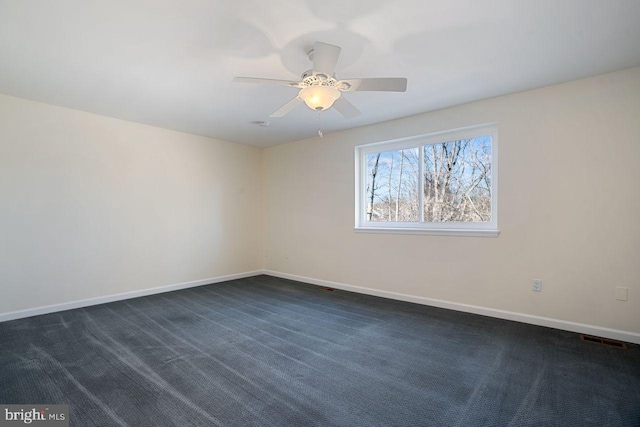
{"x": 582, "y": 328}
{"x": 13, "y": 315}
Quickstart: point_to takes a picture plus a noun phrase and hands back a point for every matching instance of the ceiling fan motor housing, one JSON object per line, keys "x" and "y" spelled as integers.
{"x": 320, "y": 79}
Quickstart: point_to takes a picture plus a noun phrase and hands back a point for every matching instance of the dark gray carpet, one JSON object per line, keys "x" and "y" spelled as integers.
{"x": 272, "y": 352}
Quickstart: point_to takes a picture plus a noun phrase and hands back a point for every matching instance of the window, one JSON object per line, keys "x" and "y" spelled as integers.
{"x": 442, "y": 183}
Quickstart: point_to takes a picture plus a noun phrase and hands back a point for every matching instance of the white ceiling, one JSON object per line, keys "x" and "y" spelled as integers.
{"x": 170, "y": 63}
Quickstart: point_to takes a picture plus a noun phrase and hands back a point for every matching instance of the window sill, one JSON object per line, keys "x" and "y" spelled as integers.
{"x": 430, "y": 231}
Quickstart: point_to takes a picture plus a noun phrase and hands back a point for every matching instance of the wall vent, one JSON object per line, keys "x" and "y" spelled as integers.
{"x": 324, "y": 288}
{"x": 604, "y": 341}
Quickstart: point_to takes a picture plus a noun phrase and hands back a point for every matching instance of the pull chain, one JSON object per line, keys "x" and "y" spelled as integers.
{"x": 319, "y": 125}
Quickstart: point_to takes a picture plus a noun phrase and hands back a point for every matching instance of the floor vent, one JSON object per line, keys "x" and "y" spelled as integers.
{"x": 603, "y": 341}
{"x": 324, "y": 288}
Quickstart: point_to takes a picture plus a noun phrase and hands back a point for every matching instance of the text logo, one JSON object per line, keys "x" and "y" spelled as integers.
{"x": 34, "y": 415}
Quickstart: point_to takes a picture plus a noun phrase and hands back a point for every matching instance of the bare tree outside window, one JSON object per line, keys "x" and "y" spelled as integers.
{"x": 393, "y": 185}
{"x": 456, "y": 182}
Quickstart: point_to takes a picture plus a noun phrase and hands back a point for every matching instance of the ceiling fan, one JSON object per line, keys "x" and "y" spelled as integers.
{"x": 320, "y": 89}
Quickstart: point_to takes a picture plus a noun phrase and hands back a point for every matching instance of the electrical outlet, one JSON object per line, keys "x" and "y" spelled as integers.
{"x": 266, "y": 253}
{"x": 537, "y": 285}
{"x": 286, "y": 254}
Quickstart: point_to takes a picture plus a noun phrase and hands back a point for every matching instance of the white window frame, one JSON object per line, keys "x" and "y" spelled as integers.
{"x": 476, "y": 229}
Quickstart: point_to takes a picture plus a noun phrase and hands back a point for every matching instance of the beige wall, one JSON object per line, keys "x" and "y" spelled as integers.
{"x": 92, "y": 206}
{"x": 569, "y": 208}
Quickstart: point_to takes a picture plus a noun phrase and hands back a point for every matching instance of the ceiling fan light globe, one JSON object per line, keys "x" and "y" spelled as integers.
{"x": 319, "y": 98}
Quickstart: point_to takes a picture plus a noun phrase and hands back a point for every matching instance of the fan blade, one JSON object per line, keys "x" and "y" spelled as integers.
{"x": 266, "y": 81}
{"x": 346, "y": 108}
{"x": 387, "y": 84}
{"x": 287, "y": 107}
{"x": 325, "y": 57}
